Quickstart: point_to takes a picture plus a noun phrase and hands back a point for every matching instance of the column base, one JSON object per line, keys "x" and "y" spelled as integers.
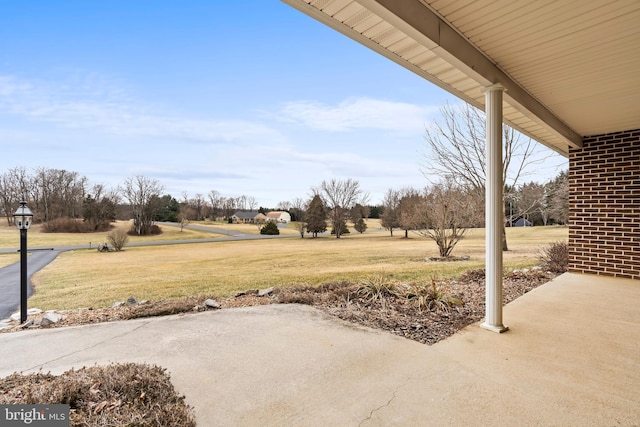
{"x": 494, "y": 328}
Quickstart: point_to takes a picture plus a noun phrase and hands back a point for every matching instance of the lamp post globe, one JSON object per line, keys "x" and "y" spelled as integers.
{"x": 23, "y": 218}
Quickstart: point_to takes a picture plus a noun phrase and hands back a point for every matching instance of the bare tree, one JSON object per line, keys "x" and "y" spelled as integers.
{"x": 241, "y": 202}
{"x": 389, "y": 218}
{"x": 58, "y": 193}
{"x": 10, "y": 194}
{"x": 530, "y": 202}
{"x": 140, "y": 192}
{"x": 99, "y": 207}
{"x": 252, "y": 203}
{"x": 456, "y": 146}
{"x": 229, "y": 206}
{"x": 359, "y": 211}
{"x": 284, "y": 205}
{"x": 559, "y": 198}
{"x": 444, "y": 215}
{"x": 299, "y": 211}
{"x": 340, "y": 196}
{"x": 215, "y": 201}
{"x": 198, "y": 203}
{"x": 409, "y": 211}
{"x": 184, "y": 216}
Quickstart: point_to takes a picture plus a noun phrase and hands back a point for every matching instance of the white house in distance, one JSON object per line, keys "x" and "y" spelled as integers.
{"x": 248, "y": 217}
{"x": 279, "y": 216}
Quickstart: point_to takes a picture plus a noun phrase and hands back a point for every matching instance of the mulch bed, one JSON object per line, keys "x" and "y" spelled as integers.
{"x": 392, "y": 313}
{"x": 115, "y": 395}
{"x": 142, "y": 395}
{"x": 403, "y": 317}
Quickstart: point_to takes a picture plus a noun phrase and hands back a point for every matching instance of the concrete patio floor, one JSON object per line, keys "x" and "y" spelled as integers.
{"x": 570, "y": 358}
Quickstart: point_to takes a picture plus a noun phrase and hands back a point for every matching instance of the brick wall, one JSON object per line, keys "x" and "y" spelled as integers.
{"x": 604, "y": 205}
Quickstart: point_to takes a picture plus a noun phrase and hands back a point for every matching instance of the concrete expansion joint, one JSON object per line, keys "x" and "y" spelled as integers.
{"x": 41, "y": 365}
{"x": 391, "y": 399}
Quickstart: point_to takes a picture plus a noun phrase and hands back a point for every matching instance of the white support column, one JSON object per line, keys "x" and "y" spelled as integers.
{"x": 494, "y": 209}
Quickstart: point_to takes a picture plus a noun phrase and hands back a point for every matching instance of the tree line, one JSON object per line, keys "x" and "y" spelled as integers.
{"x": 442, "y": 211}
{"x": 58, "y": 198}
{"x": 451, "y": 203}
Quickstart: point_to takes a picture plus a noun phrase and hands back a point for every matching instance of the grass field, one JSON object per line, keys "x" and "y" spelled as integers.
{"x": 10, "y": 236}
{"x": 243, "y": 228}
{"x": 90, "y": 279}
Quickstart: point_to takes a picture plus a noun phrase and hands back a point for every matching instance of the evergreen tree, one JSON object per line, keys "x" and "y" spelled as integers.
{"x": 375, "y": 211}
{"x": 360, "y": 226}
{"x": 342, "y": 226}
{"x": 316, "y": 216}
{"x": 270, "y": 228}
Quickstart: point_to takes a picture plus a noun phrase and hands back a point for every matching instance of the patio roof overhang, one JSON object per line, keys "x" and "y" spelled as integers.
{"x": 555, "y": 70}
{"x": 570, "y": 68}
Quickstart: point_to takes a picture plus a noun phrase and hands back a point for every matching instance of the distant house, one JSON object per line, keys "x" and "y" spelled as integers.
{"x": 522, "y": 222}
{"x": 279, "y": 216}
{"x": 248, "y": 217}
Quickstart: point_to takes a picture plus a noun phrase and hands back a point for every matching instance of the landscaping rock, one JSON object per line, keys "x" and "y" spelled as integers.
{"x": 265, "y": 292}
{"x": 212, "y": 303}
{"x": 27, "y": 324}
{"x": 131, "y": 301}
{"x": 50, "y": 318}
{"x": 118, "y": 304}
{"x": 247, "y": 292}
{"x": 31, "y": 311}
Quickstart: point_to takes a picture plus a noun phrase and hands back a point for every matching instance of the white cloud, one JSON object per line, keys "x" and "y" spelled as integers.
{"x": 97, "y": 105}
{"x": 358, "y": 113}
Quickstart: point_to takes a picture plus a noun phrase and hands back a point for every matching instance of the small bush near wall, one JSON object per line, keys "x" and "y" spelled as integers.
{"x": 555, "y": 257}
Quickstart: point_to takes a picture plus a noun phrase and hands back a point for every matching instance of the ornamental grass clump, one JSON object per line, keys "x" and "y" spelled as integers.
{"x": 432, "y": 297}
{"x": 377, "y": 288}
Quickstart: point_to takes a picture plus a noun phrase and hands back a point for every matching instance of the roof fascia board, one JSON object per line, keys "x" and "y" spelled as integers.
{"x": 426, "y": 27}
{"x": 411, "y": 16}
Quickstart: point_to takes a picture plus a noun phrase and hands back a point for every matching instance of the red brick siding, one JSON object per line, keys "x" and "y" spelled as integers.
{"x": 604, "y": 205}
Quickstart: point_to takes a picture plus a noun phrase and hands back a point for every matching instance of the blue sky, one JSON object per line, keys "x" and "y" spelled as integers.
{"x": 244, "y": 97}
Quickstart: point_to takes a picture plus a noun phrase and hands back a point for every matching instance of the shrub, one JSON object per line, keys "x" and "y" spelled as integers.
{"x": 117, "y": 394}
{"x": 270, "y": 228}
{"x": 152, "y": 230}
{"x": 474, "y": 275}
{"x": 72, "y": 225}
{"x": 555, "y": 257}
{"x": 118, "y": 239}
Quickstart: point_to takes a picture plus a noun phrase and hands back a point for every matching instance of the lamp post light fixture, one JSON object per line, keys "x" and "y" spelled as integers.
{"x": 22, "y": 218}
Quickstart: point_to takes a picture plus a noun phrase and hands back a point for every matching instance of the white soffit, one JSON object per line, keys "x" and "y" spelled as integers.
{"x": 571, "y": 67}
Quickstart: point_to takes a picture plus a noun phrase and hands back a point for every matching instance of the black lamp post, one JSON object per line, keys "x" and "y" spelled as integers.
{"x": 22, "y": 218}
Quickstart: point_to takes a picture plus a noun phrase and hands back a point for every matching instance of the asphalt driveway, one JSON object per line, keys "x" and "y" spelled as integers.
{"x": 10, "y": 280}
